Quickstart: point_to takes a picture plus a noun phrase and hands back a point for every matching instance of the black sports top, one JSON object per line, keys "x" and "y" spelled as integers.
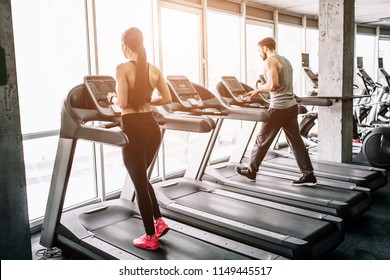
{"x": 149, "y": 88}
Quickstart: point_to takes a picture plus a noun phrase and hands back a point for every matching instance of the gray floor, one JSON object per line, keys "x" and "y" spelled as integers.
{"x": 368, "y": 238}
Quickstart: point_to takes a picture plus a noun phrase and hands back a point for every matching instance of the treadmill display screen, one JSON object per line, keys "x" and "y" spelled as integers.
{"x": 183, "y": 87}
{"x": 100, "y": 87}
{"x": 305, "y": 60}
{"x": 233, "y": 85}
{"x": 359, "y": 60}
{"x": 380, "y": 62}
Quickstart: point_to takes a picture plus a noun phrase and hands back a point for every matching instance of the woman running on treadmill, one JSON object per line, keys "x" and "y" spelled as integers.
{"x": 283, "y": 111}
{"x": 136, "y": 80}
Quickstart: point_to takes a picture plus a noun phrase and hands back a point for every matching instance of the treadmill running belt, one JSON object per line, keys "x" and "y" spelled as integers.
{"x": 319, "y": 191}
{"x": 322, "y": 168}
{"x": 278, "y": 221}
{"x": 174, "y": 245}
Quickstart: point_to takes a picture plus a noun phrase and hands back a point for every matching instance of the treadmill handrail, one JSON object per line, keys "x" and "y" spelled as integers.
{"x": 74, "y": 119}
{"x": 182, "y": 122}
{"x": 314, "y": 100}
{"x": 237, "y": 113}
{"x": 102, "y": 135}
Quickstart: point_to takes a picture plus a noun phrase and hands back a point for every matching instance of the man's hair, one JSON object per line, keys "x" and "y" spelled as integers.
{"x": 268, "y": 42}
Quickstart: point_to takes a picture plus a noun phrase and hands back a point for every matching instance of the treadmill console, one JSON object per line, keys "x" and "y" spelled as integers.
{"x": 368, "y": 82}
{"x": 235, "y": 88}
{"x": 305, "y": 60}
{"x": 359, "y": 62}
{"x": 309, "y": 73}
{"x": 380, "y": 62}
{"x": 184, "y": 91}
{"x": 98, "y": 87}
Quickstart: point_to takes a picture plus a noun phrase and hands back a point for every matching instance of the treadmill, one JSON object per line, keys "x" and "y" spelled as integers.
{"x": 347, "y": 203}
{"x": 285, "y": 230}
{"x": 369, "y": 178}
{"x": 313, "y": 78}
{"x": 105, "y": 230}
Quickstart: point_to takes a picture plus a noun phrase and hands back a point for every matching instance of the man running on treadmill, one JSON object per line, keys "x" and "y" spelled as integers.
{"x": 283, "y": 110}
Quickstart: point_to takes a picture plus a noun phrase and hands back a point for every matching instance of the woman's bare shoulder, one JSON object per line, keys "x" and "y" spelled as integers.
{"x": 154, "y": 68}
{"x": 155, "y": 73}
{"x": 126, "y": 66}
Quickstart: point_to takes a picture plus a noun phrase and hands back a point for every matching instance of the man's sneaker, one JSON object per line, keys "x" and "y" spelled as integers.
{"x": 160, "y": 228}
{"x": 147, "y": 242}
{"x": 306, "y": 180}
{"x": 244, "y": 171}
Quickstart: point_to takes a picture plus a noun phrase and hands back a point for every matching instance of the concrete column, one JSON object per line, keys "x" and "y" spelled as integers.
{"x": 336, "y": 55}
{"x": 15, "y": 242}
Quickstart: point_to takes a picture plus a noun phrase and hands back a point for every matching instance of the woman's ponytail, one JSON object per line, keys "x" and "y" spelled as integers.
{"x": 133, "y": 38}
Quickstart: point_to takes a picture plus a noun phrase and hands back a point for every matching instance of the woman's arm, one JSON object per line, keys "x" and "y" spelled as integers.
{"x": 121, "y": 86}
{"x": 120, "y": 96}
{"x": 163, "y": 90}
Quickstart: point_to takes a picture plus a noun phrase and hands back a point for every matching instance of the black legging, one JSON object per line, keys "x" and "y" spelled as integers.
{"x": 144, "y": 139}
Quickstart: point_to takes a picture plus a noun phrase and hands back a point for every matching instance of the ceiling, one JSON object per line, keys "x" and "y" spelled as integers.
{"x": 374, "y": 12}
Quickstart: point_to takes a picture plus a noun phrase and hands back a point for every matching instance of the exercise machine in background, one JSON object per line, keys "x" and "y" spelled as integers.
{"x": 373, "y": 133}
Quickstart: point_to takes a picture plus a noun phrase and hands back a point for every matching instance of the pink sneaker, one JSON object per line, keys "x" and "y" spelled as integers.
{"x": 160, "y": 228}
{"x": 146, "y": 242}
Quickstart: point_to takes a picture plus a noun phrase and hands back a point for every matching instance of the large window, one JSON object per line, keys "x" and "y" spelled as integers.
{"x": 290, "y": 46}
{"x": 135, "y": 13}
{"x": 365, "y": 48}
{"x": 178, "y": 149}
{"x": 39, "y": 155}
{"x": 224, "y": 59}
{"x": 181, "y": 55}
{"x": 384, "y": 53}
{"x": 254, "y": 64}
{"x": 312, "y": 46}
{"x": 224, "y": 47}
{"x": 51, "y": 58}
{"x": 181, "y": 43}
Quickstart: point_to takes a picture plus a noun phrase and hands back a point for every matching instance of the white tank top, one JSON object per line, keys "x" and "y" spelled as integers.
{"x": 283, "y": 97}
